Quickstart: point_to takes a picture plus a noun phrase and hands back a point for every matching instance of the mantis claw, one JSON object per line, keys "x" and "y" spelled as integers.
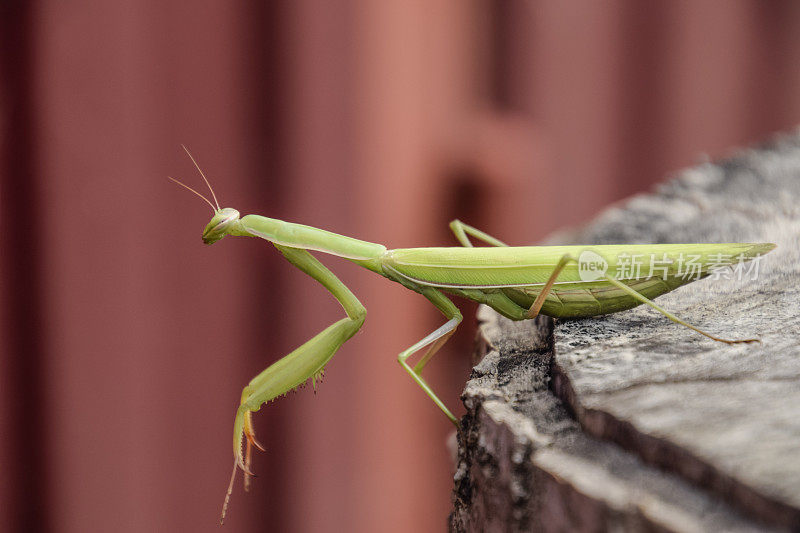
{"x": 241, "y": 464}
{"x": 251, "y": 439}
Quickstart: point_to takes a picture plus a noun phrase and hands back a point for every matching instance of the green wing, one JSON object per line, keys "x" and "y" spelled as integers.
{"x": 520, "y": 272}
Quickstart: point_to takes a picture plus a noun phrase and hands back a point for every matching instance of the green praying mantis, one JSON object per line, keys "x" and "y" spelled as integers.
{"x": 518, "y": 282}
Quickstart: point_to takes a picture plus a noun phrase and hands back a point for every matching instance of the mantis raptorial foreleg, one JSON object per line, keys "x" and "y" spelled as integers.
{"x": 435, "y": 340}
{"x": 307, "y": 361}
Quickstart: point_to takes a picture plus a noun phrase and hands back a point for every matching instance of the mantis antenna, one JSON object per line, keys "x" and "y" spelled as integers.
{"x": 194, "y": 191}
{"x": 204, "y": 177}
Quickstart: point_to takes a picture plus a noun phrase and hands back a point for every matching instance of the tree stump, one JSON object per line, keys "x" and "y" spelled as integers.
{"x": 630, "y": 422}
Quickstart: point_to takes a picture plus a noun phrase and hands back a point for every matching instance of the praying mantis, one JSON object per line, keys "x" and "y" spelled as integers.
{"x": 519, "y": 282}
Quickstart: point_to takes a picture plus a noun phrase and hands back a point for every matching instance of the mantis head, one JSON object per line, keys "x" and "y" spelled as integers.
{"x": 220, "y": 225}
{"x": 224, "y": 219}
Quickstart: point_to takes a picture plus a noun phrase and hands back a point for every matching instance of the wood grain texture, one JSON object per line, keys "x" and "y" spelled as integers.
{"x": 630, "y": 421}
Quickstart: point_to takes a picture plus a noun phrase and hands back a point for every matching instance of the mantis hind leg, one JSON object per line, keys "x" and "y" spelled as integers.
{"x": 566, "y": 258}
{"x": 435, "y": 341}
{"x": 533, "y": 312}
{"x": 672, "y": 317}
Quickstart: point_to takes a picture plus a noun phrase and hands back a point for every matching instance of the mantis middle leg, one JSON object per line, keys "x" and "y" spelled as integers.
{"x": 436, "y": 340}
{"x": 462, "y": 231}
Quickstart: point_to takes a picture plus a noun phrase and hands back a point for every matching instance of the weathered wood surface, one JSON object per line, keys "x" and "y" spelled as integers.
{"x": 630, "y": 422}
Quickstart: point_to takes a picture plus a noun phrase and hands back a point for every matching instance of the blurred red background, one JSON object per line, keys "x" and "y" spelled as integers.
{"x": 126, "y": 342}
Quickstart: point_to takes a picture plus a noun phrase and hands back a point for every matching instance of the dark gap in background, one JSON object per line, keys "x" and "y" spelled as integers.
{"x": 776, "y": 26}
{"x": 267, "y": 49}
{"x": 22, "y": 333}
{"x": 644, "y": 55}
{"x": 500, "y": 46}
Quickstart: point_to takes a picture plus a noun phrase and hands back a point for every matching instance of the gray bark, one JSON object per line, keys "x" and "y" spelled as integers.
{"x": 631, "y": 422}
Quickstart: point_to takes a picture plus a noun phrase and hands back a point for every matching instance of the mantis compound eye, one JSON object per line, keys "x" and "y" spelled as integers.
{"x": 220, "y": 225}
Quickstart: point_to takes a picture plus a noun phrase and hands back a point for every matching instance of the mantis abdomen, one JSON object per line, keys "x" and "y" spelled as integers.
{"x": 521, "y": 273}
